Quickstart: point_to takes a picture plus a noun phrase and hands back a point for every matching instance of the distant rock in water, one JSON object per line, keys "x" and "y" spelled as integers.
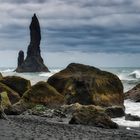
{"x": 133, "y": 94}
{"x": 20, "y": 58}
{"x": 33, "y": 61}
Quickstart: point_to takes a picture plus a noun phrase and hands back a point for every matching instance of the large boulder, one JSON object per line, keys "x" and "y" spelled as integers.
{"x": 92, "y": 115}
{"x": 41, "y": 93}
{"x": 18, "y": 84}
{"x": 133, "y": 94}
{"x": 88, "y": 85}
{"x": 13, "y": 95}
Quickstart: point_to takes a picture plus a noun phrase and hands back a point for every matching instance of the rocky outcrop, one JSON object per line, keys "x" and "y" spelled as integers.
{"x": 20, "y": 58}
{"x": 92, "y": 115}
{"x": 75, "y": 114}
{"x": 88, "y": 85}
{"x": 39, "y": 94}
{"x": 33, "y": 61}
{"x": 133, "y": 94}
{"x": 13, "y": 95}
{"x": 18, "y": 84}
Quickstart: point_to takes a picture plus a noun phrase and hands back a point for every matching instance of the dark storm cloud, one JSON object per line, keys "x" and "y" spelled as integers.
{"x": 69, "y": 25}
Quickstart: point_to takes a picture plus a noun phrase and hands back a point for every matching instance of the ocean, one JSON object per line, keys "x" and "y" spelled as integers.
{"x": 129, "y": 77}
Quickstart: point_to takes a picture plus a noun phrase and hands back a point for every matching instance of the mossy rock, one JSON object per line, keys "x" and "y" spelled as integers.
{"x": 13, "y": 96}
{"x": 1, "y": 76}
{"x": 18, "y": 84}
{"x": 88, "y": 85}
{"x": 5, "y": 102}
{"x": 92, "y": 115}
{"x": 43, "y": 93}
{"x": 39, "y": 94}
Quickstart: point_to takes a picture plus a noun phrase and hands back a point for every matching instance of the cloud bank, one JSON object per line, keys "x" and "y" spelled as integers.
{"x": 102, "y": 26}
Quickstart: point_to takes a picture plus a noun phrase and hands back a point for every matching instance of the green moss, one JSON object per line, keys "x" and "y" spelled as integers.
{"x": 43, "y": 93}
{"x": 1, "y": 76}
{"x": 5, "y": 100}
{"x": 39, "y": 108}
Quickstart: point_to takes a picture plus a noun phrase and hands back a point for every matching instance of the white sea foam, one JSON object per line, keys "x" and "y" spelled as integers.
{"x": 135, "y": 74}
{"x": 125, "y": 77}
{"x": 48, "y": 74}
{"x": 132, "y": 108}
{"x": 123, "y": 122}
{"x": 7, "y": 70}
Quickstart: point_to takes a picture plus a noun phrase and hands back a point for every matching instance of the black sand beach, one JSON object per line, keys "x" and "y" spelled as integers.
{"x": 39, "y": 128}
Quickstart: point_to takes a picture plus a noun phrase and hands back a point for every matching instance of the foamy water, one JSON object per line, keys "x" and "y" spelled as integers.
{"x": 33, "y": 77}
{"x": 132, "y": 108}
{"x": 129, "y": 77}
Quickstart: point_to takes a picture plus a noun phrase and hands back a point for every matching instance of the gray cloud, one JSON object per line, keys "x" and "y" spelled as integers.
{"x": 81, "y": 25}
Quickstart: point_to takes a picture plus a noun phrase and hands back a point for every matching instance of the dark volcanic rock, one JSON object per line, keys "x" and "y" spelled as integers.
{"x": 18, "y": 84}
{"x": 20, "y": 58}
{"x": 88, "y": 85}
{"x": 115, "y": 111}
{"x": 92, "y": 115}
{"x": 33, "y": 61}
{"x": 133, "y": 94}
{"x": 132, "y": 117}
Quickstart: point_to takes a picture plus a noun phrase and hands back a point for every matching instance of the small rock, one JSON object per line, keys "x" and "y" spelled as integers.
{"x": 132, "y": 117}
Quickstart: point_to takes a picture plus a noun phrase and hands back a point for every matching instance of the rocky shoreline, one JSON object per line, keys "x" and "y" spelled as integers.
{"x": 30, "y": 127}
{"x": 76, "y": 103}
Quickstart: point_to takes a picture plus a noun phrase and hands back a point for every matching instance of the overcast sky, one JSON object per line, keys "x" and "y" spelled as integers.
{"x": 105, "y": 32}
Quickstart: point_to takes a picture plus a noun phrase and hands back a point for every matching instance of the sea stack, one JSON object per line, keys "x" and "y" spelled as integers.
{"x": 33, "y": 61}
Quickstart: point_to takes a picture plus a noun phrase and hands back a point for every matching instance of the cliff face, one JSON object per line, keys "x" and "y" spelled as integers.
{"x": 33, "y": 61}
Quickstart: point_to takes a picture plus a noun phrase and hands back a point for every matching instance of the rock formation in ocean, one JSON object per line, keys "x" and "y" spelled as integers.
{"x": 33, "y": 61}
{"x": 20, "y": 58}
{"x": 133, "y": 94}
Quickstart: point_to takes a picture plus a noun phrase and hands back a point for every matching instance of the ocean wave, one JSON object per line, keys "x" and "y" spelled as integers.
{"x": 131, "y": 76}
{"x": 48, "y": 74}
{"x": 135, "y": 74}
{"x": 7, "y": 70}
{"x": 126, "y": 77}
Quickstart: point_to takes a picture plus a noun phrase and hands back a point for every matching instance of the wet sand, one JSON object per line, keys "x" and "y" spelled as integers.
{"x": 40, "y": 128}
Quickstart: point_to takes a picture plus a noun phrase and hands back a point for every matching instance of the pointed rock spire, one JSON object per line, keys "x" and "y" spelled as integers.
{"x": 33, "y": 61}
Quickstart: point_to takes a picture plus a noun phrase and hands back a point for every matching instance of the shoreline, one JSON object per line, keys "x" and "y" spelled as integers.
{"x": 41, "y": 128}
